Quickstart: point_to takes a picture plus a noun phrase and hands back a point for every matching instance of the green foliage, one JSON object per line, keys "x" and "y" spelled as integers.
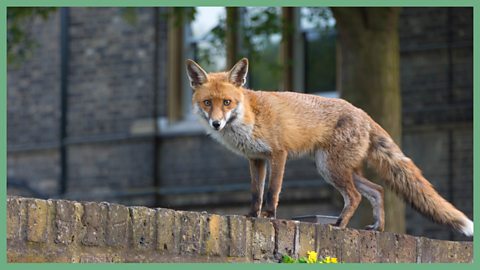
{"x": 129, "y": 14}
{"x": 318, "y": 17}
{"x": 311, "y": 258}
{"x": 19, "y": 40}
{"x": 261, "y": 32}
{"x": 21, "y": 44}
{"x": 287, "y": 259}
{"x": 182, "y": 14}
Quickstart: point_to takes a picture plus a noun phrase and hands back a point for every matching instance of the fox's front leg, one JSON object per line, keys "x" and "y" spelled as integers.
{"x": 277, "y": 167}
{"x": 258, "y": 171}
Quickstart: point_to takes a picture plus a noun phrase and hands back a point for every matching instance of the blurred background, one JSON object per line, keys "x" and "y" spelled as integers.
{"x": 99, "y": 103}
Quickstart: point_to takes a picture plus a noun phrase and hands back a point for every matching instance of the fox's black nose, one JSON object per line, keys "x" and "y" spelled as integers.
{"x": 216, "y": 124}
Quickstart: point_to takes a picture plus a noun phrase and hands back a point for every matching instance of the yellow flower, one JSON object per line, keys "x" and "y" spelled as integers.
{"x": 312, "y": 257}
{"x": 329, "y": 259}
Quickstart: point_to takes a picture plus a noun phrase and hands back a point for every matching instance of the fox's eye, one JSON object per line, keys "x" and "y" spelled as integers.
{"x": 207, "y": 102}
{"x": 226, "y": 102}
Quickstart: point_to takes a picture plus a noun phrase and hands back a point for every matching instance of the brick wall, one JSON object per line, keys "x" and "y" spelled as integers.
{"x": 33, "y": 95}
{"x": 110, "y": 101}
{"x": 111, "y": 87}
{"x": 199, "y": 160}
{"x": 436, "y": 52}
{"x": 69, "y": 231}
{"x": 33, "y": 101}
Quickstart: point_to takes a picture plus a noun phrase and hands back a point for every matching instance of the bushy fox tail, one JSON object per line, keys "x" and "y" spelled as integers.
{"x": 407, "y": 180}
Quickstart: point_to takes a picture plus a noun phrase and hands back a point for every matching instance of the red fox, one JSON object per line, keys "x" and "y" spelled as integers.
{"x": 271, "y": 126}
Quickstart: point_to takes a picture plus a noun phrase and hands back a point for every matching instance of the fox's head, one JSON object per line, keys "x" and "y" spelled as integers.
{"x": 218, "y": 97}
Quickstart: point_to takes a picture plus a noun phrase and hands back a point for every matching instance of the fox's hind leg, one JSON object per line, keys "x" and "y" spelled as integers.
{"x": 342, "y": 179}
{"x": 374, "y": 194}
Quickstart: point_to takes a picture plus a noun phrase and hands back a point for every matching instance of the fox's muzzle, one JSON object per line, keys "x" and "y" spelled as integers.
{"x": 217, "y": 124}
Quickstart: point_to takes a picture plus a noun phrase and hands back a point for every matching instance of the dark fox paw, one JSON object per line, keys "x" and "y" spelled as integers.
{"x": 374, "y": 227}
{"x": 268, "y": 214}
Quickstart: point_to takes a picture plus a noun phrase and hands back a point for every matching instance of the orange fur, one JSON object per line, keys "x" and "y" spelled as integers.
{"x": 268, "y": 127}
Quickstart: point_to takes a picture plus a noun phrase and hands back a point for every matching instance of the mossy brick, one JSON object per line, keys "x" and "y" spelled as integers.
{"x": 191, "y": 229}
{"x": 464, "y": 252}
{"x": 199, "y": 237}
{"x": 37, "y": 220}
{"x": 427, "y": 250}
{"x": 347, "y": 240}
{"x": 167, "y": 231}
{"x": 286, "y": 232}
{"x": 443, "y": 251}
{"x": 215, "y": 242}
{"x": 94, "y": 218}
{"x": 367, "y": 246}
{"x": 143, "y": 227}
{"x": 306, "y": 238}
{"x": 240, "y": 236}
{"x": 68, "y": 222}
{"x": 386, "y": 247}
{"x": 16, "y": 218}
{"x": 93, "y": 259}
{"x": 406, "y": 249}
{"x": 328, "y": 241}
{"x": 117, "y": 225}
{"x": 263, "y": 239}
{"x": 451, "y": 251}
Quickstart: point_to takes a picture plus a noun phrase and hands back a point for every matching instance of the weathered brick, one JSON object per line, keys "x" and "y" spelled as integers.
{"x": 204, "y": 237}
{"x": 427, "y": 250}
{"x": 386, "y": 247}
{"x": 240, "y": 236}
{"x": 37, "y": 222}
{"x": 263, "y": 240}
{"x": 286, "y": 234}
{"x": 438, "y": 251}
{"x": 367, "y": 246}
{"x": 464, "y": 252}
{"x": 327, "y": 241}
{"x": 16, "y": 218}
{"x": 306, "y": 238}
{"x": 406, "y": 249}
{"x": 68, "y": 222}
{"x": 215, "y": 242}
{"x": 143, "y": 227}
{"x": 93, "y": 259}
{"x": 191, "y": 229}
{"x": 349, "y": 245}
{"x": 117, "y": 225}
{"x": 94, "y": 218}
{"x": 167, "y": 231}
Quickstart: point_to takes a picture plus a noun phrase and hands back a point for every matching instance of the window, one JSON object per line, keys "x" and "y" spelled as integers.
{"x": 188, "y": 40}
{"x": 318, "y": 25}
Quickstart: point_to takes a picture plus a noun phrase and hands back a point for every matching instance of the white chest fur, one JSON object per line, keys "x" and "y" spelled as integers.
{"x": 238, "y": 138}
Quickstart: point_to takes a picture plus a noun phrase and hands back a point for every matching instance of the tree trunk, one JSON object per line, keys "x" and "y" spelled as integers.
{"x": 286, "y": 48}
{"x": 231, "y": 36}
{"x": 369, "y": 51}
{"x": 175, "y": 67}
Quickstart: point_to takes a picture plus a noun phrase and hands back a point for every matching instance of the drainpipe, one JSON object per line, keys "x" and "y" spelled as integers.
{"x": 64, "y": 60}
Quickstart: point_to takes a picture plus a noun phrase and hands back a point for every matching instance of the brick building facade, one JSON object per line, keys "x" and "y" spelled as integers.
{"x": 115, "y": 92}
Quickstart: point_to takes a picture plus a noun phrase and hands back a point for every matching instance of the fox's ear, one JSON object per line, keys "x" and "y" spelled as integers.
{"x": 238, "y": 74}
{"x": 195, "y": 73}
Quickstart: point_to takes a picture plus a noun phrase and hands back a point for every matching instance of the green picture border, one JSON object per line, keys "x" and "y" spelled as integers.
{"x": 144, "y": 3}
